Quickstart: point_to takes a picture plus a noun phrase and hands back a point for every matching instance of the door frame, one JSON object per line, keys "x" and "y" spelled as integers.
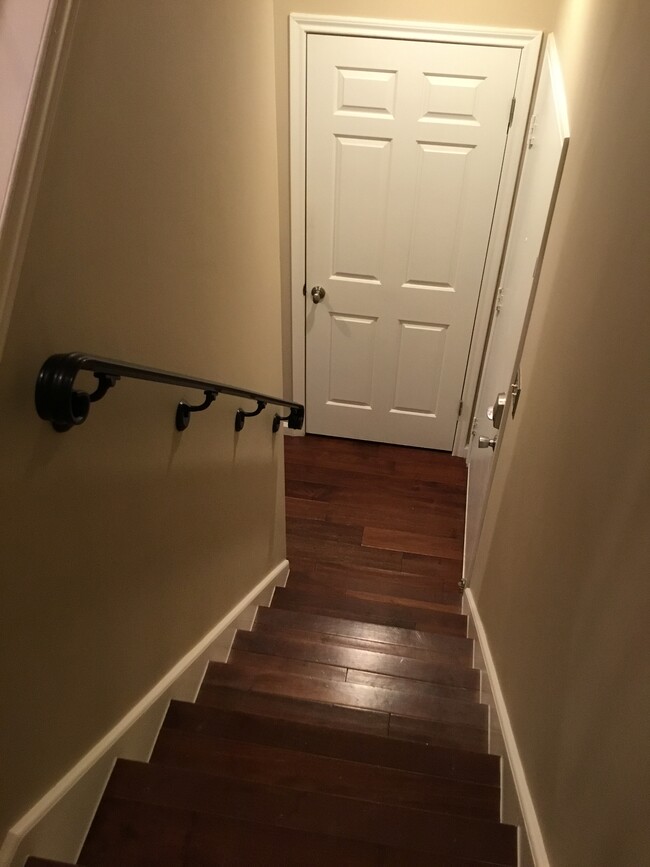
{"x": 300, "y": 27}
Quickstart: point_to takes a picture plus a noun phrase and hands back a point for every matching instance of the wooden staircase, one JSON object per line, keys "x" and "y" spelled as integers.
{"x": 346, "y": 726}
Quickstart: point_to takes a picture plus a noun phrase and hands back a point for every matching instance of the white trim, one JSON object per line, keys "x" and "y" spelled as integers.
{"x": 49, "y": 64}
{"x": 57, "y": 824}
{"x": 300, "y": 26}
{"x": 530, "y": 827}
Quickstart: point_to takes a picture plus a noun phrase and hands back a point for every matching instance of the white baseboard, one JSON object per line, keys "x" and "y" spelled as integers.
{"x": 517, "y": 806}
{"x": 56, "y": 825}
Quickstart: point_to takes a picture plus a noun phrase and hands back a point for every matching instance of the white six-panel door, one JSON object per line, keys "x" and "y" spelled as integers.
{"x": 405, "y": 143}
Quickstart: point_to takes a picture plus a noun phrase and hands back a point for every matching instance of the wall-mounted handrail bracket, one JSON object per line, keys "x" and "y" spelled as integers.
{"x": 104, "y": 382}
{"x": 294, "y": 419}
{"x": 241, "y": 416}
{"x": 56, "y": 398}
{"x": 64, "y": 406}
{"x": 184, "y": 410}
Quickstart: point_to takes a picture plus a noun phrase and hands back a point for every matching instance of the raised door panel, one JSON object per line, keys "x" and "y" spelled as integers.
{"x": 352, "y": 353}
{"x": 421, "y": 351}
{"x": 362, "y": 167}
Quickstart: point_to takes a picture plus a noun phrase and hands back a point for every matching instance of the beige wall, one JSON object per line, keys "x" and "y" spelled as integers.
{"x": 532, "y": 14}
{"x": 565, "y": 560}
{"x": 155, "y": 240}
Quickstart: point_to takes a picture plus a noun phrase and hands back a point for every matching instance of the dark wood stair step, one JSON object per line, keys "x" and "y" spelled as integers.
{"x": 328, "y": 739}
{"x": 407, "y": 702}
{"x": 310, "y": 649}
{"x": 337, "y": 605}
{"x": 393, "y": 597}
{"x": 427, "y": 646}
{"x": 270, "y": 664}
{"x": 131, "y": 834}
{"x": 417, "y": 589}
{"x": 326, "y": 639}
{"x": 260, "y": 663}
{"x": 292, "y": 768}
{"x": 284, "y": 707}
{"x": 401, "y": 827}
{"x": 302, "y": 709}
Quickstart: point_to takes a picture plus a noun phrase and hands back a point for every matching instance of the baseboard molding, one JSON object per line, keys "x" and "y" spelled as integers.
{"x": 517, "y": 806}
{"x": 56, "y": 825}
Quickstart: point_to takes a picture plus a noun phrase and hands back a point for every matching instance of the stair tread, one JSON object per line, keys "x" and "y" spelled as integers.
{"x": 403, "y": 827}
{"x": 407, "y": 701}
{"x": 439, "y": 598}
{"x": 430, "y": 574}
{"x": 271, "y": 664}
{"x": 312, "y": 649}
{"x": 367, "y": 594}
{"x": 331, "y": 740}
{"x": 376, "y": 575}
{"x": 291, "y": 767}
{"x": 302, "y": 709}
{"x": 411, "y": 685}
{"x": 259, "y": 663}
{"x": 456, "y": 660}
{"x": 365, "y": 630}
{"x": 293, "y": 708}
{"x": 129, "y": 833}
{"x": 321, "y": 600}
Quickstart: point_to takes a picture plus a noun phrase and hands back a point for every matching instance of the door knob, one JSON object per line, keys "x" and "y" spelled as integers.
{"x": 495, "y": 412}
{"x": 486, "y": 442}
{"x": 317, "y": 294}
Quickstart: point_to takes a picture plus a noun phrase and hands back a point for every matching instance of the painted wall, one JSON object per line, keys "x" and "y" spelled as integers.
{"x": 563, "y": 566}
{"x": 155, "y": 240}
{"x": 532, "y": 14}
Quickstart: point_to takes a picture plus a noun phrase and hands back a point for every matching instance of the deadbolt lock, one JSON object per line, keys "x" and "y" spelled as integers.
{"x": 495, "y": 412}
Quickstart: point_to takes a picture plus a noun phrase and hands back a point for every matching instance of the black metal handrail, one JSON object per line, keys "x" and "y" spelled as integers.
{"x": 64, "y": 406}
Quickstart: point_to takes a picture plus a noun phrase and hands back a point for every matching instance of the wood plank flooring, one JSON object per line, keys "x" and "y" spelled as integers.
{"x": 346, "y": 726}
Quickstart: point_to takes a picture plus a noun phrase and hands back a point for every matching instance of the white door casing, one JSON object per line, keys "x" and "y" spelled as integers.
{"x": 547, "y": 145}
{"x": 405, "y": 143}
{"x": 527, "y": 43}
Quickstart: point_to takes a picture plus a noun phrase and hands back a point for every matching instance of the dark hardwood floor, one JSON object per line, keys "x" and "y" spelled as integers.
{"x": 346, "y": 726}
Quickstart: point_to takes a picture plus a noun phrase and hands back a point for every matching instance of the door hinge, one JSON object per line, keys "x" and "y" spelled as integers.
{"x": 460, "y": 408}
{"x": 304, "y": 289}
{"x": 512, "y": 111}
{"x": 531, "y": 132}
{"x": 515, "y": 390}
{"x": 499, "y": 301}
{"x": 474, "y": 426}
